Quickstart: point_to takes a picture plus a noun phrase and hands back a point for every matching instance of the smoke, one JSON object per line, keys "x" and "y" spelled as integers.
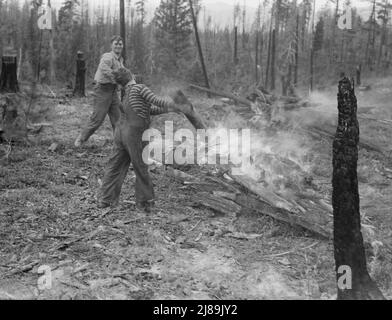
{"x": 280, "y": 158}
{"x": 321, "y": 109}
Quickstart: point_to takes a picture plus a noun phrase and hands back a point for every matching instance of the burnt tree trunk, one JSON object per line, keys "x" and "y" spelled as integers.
{"x": 267, "y": 72}
{"x": 80, "y": 81}
{"x": 8, "y": 77}
{"x": 296, "y": 52}
{"x": 348, "y": 241}
{"x": 123, "y": 29}
{"x": 201, "y": 57}
{"x": 235, "y": 45}
{"x": 273, "y": 59}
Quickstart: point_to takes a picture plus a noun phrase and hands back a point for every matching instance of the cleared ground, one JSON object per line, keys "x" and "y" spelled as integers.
{"x": 48, "y": 216}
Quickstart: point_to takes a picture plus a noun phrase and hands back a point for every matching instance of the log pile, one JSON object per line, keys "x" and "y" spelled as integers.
{"x": 235, "y": 193}
{"x": 251, "y": 198}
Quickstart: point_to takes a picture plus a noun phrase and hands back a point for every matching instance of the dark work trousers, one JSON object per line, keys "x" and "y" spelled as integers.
{"x": 106, "y": 101}
{"x": 128, "y": 147}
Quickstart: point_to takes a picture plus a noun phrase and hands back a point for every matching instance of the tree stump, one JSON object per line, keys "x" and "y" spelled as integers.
{"x": 348, "y": 241}
{"x": 358, "y": 71}
{"x": 80, "y": 81}
{"x": 8, "y": 77}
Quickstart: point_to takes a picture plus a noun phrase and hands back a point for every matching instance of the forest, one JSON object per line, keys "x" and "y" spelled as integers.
{"x": 307, "y": 218}
{"x": 283, "y": 42}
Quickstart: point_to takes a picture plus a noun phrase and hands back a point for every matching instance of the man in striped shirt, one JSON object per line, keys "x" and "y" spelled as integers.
{"x": 139, "y": 103}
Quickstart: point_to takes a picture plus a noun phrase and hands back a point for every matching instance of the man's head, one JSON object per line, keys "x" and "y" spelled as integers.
{"x": 122, "y": 76}
{"x": 117, "y": 44}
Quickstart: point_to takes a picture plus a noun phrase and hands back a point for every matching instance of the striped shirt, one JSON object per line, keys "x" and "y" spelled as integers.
{"x": 143, "y": 101}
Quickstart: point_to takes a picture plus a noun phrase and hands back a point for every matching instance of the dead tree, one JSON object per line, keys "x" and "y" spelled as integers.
{"x": 348, "y": 241}
{"x": 122, "y": 28}
{"x": 200, "y": 50}
{"x": 8, "y": 77}
{"x": 79, "y": 89}
{"x": 236, "y": 46}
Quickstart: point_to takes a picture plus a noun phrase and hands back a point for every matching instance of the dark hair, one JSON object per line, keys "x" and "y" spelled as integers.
{"x": 138, "y": 78}
{"x": 122, "y": 76}
{"x": 116, "y": 38}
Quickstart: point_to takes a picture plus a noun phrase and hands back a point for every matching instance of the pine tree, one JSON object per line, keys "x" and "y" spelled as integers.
{"x": 318, "y": 35}
{"x": 70, "y": 37}
{"x": 173, "y": 32}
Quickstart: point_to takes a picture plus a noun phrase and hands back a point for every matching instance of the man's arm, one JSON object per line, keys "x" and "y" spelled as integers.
{"x": 158, "y": 105}
{"x": 105, "y": 67}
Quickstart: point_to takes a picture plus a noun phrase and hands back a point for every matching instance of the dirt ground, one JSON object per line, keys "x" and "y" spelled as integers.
{"x": 48, "y": 217}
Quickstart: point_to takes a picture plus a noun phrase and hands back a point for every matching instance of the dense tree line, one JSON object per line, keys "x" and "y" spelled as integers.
{"x": 286, "y": 45}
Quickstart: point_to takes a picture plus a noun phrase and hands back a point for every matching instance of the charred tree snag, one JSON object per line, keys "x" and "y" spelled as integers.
{"x": 348, "y": 241}
{"x": 123, "y": 29}
{"x": 79, "y": 89}
{"x": 8, "y": 77}
{"x": 200, "y": 50}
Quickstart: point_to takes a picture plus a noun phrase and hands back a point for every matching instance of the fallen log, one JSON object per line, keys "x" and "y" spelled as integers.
{"x": 218, "y": 203}
{"x": 364, "y": 144}
{"x": 318, "y": 222}
{"x": 264, "y": 193}
{"x": 177, "y": 174}
{"x": 223, "y": 94}
{"x": 314, "y": 223}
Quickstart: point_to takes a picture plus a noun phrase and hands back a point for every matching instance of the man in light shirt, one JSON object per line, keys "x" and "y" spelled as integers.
{"x": 106, "y": 91}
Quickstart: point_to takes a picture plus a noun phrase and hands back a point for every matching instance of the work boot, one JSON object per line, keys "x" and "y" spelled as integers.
{"x": 78, "y": 141}
{"x": 103, "y": 205}
{"x": 145, "y": 206}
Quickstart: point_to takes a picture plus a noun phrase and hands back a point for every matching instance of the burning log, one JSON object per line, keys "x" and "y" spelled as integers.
{"x": 265, "y": 194}
{"x": 318, "y": 224}
{"x": 348, "y": 241}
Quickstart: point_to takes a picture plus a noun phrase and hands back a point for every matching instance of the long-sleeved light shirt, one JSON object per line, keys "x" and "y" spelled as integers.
{"x": 143, "y": 101}
{"x": 109, "y": 63}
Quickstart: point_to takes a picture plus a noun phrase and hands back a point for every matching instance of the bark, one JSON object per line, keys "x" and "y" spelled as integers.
{"x": 348, "y": 241}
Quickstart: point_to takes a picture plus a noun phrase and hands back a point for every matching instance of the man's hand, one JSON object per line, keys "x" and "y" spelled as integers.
{"x": 180, "y": 108}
